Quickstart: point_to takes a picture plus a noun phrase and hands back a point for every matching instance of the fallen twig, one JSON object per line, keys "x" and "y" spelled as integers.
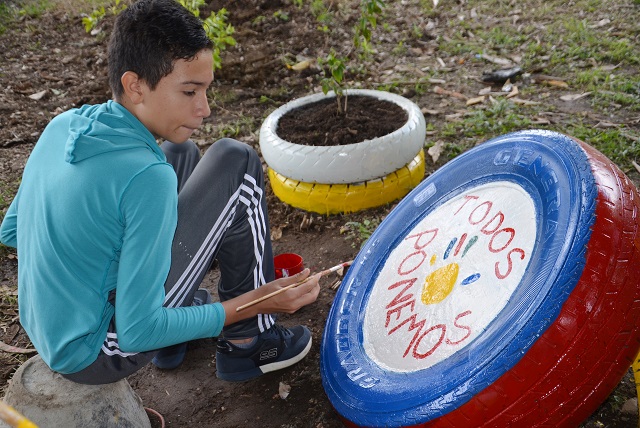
{"x": 15, "y": 350}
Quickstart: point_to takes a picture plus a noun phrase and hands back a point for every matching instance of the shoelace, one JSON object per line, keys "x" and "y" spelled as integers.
{"x": 281, "y": 331}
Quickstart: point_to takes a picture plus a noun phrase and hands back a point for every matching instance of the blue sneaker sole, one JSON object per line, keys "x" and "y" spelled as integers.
{"x": 259, "y": 371}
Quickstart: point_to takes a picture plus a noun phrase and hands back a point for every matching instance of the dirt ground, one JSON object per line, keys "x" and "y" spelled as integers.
{"x": 49, "y": 64}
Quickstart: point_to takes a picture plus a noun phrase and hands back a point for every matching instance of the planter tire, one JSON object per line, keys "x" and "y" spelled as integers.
{"x": 345, "y": 164}
{"x": 560, "y": 333}
{"x": 345, "y": 198}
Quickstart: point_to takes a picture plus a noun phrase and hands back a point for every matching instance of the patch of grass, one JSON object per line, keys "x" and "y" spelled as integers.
{"x": 619, "y": 145}
{"x": 220, "y": 97}
{"x": 34, "y": 9}
{"x": 359, "y": 231}
{"x": 6, "y": 17}
{"x": 321, "y": 12}
{"x": 458, "y": 44}
{"x": 609, "y": 89}
{"x": 8, "y": 298}
{"x": 505, "y": 38}
{"x": 400, "y": 49}
{"x": 244, "y": 125}
{"x": 80, "y": 7}
{"x": 258, "y": 20}
{"x": 501, "y": 117}
{"x": 583, "y": 41}
{"x": 428, "y": 11}
{"x": 281, "y": 15}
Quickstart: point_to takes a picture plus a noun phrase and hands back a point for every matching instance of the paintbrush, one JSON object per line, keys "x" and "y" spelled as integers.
{"x": 12, "y": 417}
{"x": 295, "y": 284}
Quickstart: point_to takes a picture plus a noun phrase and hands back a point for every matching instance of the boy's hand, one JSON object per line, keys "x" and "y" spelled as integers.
{"x": 291, "y": 300}
{"x": 288, "y": 301}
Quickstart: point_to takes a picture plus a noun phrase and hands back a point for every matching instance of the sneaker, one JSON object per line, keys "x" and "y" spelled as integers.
{"x": 273, "y": 349}
{"x": 171, "y": 357}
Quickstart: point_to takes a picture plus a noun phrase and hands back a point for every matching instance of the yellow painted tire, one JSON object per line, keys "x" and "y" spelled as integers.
{"x": 346, "y": 198}
{"x": 636, "y": 375}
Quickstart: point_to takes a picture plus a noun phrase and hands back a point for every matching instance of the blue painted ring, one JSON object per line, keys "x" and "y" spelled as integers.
{"x": 554, "y": 171}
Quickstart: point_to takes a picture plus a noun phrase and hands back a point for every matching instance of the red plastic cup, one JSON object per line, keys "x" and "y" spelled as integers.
{"x": 288, "y": 264}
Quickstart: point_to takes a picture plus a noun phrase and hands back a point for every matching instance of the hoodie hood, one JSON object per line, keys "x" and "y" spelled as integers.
{"x": 105, "y": 128}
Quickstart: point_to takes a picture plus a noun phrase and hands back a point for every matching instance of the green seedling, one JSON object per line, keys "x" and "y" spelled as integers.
{"x": 359, "y": 231}
{"x": 370, "y": 10}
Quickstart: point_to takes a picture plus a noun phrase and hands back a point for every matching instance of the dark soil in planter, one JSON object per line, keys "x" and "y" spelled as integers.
{"x": 320, "y": 123}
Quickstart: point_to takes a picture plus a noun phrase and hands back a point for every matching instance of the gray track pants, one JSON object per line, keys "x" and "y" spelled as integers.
{"x": 222, "y": 215}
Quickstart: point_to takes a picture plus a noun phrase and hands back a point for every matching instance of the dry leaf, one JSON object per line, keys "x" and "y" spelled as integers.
{"x": 513, "y": 92}
{"x": 601, "y": 23}
{"x": 476, "y": 100}
{"x": 574, "y": 97}
{"x": 284, "y": 390}
{"x": 520, "y": 101}
{"x": 556, "y": 83}
{"x": 436, "y": 150}
{"x": 276, "y": 233}
{"x": 453, "y": 117}
{"x": 497, "y": 60}
{"x": 38, "y": 95}
{"x": 541, "y": 121}
{"x": 610, "y": 67}
{"x": 442, "y": 91}
{"x": 606, "y": 124}
{"x": 302, "y": 65}
{"x": 306, "y": 222}
{"x": 15, "y": 350}
{"x": 425, "y": 110}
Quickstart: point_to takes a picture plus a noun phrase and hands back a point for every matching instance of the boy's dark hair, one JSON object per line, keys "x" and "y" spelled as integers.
{"x": 148, "y": 37}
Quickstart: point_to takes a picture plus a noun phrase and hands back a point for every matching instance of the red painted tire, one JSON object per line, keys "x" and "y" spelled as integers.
{"x": 553, "y": 352}
{"x": 570, "y": 379}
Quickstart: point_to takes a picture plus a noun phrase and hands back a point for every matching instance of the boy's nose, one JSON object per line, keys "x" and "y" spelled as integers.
{"x": 203, "y": 107}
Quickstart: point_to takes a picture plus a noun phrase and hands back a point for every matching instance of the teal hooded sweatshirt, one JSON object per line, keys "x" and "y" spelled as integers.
{"x": 96, "y": 211}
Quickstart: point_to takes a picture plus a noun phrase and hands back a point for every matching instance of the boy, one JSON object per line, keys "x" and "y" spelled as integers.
{"x": 111, "y": 256}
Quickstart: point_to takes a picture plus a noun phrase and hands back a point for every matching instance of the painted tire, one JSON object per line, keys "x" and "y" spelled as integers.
{"x": 541, "y": 325}
{"x": 345, "y": 198}
{"x": 350, "y": 163}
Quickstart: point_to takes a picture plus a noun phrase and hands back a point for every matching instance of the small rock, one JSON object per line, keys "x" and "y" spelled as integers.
{"x": 630, "y": 407}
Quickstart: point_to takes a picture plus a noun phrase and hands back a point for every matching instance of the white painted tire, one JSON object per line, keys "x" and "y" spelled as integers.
{"x": 350, "y": 163}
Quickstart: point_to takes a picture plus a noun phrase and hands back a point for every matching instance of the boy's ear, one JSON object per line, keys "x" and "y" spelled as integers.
{"x": 132, "y": 86}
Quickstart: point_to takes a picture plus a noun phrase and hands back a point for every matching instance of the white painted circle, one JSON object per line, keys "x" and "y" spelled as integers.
{"x": 450, "y": 277}
{"x": 343, "y": 164}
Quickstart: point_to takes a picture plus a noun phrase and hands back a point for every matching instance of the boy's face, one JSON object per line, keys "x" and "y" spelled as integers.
{"x": 178, "y": 104}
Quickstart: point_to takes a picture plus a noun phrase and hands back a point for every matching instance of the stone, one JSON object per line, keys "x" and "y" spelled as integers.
{"x": 49, "y": 400}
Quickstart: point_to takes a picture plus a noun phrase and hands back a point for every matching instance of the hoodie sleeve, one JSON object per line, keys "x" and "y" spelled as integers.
{"x": 149, "y": 211}
{"x": 9, "y": 227}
